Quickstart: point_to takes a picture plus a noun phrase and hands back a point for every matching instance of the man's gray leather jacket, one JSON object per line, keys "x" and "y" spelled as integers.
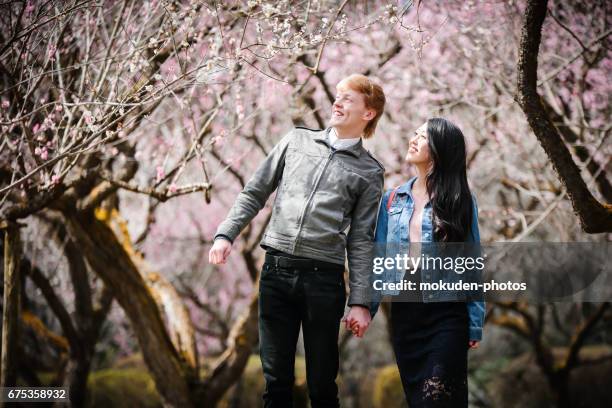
{"x": 321, "y": 192}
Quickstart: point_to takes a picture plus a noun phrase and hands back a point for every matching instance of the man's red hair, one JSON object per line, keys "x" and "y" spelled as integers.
{"x": 373, "y": 95}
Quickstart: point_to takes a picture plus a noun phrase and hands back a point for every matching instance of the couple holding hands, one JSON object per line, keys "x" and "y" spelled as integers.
{"x": 326, "y": 183}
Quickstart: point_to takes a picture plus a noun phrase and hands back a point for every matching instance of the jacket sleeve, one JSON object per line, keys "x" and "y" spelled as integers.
{"x": 360, "y": 241}
{"x": 255, "y": 193}
{"x": 380, "y": 241}
{"x": 476, "y": 309}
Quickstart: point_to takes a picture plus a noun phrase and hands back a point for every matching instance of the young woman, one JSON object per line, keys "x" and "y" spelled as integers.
{"x": 430, "y": 337}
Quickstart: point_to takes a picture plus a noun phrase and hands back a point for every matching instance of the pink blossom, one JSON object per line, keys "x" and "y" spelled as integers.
{"x": 51, "y": 51}
{"x": 36, "y": 128}
{"x": 29, "y": 8}
{"x": 88, "y": 117}
{"x": 218, "y": 140}
{"x": 160, "y": 173}
{"x": 44, "y": 153}
{"x": 240, "y": 110}
{"x": 55, "y": 179}
{"x": 59, "y": 108}
{"x": 172, "y": 188}
{"x": 5, "y": 104}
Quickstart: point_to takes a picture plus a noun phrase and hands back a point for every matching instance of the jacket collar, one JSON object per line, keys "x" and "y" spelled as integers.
{"x": 407, "y": 186}
{"x": 323, "y": 137}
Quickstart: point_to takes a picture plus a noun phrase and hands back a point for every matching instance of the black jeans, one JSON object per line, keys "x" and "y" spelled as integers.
{"x": 312, "y": 295}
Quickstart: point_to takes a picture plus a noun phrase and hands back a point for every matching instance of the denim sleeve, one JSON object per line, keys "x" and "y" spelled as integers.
{"x": 380, "y": 239}
{"x": 477, "y": 309}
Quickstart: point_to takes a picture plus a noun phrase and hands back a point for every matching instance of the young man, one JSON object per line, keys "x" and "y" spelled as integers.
{"x": 327, "y": 182}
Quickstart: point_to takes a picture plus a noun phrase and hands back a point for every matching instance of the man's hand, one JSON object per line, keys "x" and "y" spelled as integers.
{"x": 357, "y": 320}
{"x": 473, "y": 344}
{"x": 219, "y": 252}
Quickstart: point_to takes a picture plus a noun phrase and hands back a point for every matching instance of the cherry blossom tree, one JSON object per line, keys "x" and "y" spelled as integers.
{"x": 128, "y": 127}
{"x": 142, "y": 97}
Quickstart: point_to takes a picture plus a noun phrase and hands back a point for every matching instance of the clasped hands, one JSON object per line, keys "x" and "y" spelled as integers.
{"x": 357, "y": 320}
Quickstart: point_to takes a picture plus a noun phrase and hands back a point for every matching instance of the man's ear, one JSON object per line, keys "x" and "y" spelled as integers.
{"x": 369, "y": 114}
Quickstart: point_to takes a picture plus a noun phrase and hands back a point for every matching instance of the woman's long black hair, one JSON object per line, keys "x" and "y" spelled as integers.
{"x": 446, "y": 182}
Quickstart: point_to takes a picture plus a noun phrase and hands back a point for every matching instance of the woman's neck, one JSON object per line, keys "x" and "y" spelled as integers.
{"x": 420, "y": 183}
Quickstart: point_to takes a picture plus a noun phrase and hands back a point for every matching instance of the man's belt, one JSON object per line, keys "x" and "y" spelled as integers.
{"x": 284, "y": 262}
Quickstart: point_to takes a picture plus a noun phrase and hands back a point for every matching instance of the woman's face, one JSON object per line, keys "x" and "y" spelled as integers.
{"x": 418, "y": 148}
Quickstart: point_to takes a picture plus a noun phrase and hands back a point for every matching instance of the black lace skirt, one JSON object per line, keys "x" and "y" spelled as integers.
{"x": 430, "y": 341}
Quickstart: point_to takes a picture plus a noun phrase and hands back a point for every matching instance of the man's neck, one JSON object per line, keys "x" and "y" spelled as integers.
{"x": 350, "y": 134}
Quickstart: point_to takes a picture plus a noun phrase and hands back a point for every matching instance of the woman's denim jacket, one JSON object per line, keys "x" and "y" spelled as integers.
{"x": 393, "y": 226}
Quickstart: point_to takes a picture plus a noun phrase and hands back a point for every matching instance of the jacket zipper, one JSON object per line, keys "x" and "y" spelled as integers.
{"x": 312, "y": 193}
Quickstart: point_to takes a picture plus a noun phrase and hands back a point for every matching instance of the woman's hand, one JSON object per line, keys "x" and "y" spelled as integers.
{"x": 474, "y": 344}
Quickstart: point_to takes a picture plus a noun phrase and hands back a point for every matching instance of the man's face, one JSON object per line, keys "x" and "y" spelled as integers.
{"x": 349, "y": 110}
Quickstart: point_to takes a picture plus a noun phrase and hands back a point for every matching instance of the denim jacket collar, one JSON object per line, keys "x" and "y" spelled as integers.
{"x": 406, "y": 188}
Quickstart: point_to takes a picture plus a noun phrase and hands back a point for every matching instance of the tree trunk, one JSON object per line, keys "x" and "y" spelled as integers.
{"x": 109, "y": 260}
{"x": 77, "y": 372}
{"x": 172, "y": 310}
{"x": 176, "y": 318}
{"x": 560, "y": 385}
{"x": 10, "y": 311}
{"x": 228, "y": 368}
{"x": 594, "y": 216}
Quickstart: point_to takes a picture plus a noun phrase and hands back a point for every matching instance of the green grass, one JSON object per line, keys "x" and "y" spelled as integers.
{"x": 130, "y": 387}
